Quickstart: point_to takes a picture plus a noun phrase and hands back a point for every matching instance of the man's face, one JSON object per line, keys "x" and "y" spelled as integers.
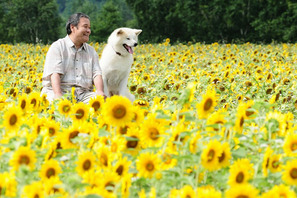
{"x": 82, "y": 31}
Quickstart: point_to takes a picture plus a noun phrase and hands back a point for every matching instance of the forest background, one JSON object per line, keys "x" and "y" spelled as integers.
{"x": 207, "y": 21}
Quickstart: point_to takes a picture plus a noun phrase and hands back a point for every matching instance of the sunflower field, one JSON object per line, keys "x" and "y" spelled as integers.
{"x": 210, "y": 121}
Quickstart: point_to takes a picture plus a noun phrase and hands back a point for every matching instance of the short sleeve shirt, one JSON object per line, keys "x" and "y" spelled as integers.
{"x": 78, "y": 67}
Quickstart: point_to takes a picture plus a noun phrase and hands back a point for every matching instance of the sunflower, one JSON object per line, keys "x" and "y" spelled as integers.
{"x": 23, "y": 156}
{"x": 167, "y": 159}
{"x": 23, "y": 102}
{"x": 215, "y": 120}
{"x": 266, "y": 160}
{"x": 85, "y": 163}
{"x": 8, "y": 184}
{"x": 187, "y": 191}
{"x": 224, "y": 158}
{"x": 245, "y": 190}
{"x": 50, "y": 169}
{"x": 210, "y": 155}
{"x": 64, "y": 107}
{"x": 178, "y": 137}
{"x": 12, "y": 118}
{"x": 275, "y": 163}
{"x": 290, "y": 172}
{"x": 241, "y": 171}
{"x": 126, "y": 184}
{"x": 108, "y": 183}
{"x": 51, "y": 127}
{"x": 53, "y": 186}
{"x": 207, "y": 105}
{"x": 147, "y": 164}
{"x": 275, "y": 123}
{"x": 132, "y": 143}
{"x": 290, "y": 145}
{"x": 141, "y": 103}
{"x": 240, "y": 118}
{"x": 117, "y": 110}
{"x": 279, "y": 191}
{"x": 33, "y": 190}
{"x": 67, "y": 136}
{"x": 117, "y": 145}
{"x": 104, "y": 156}
{"x": 34, "y": 101}
{"x": 122, "y": 167}
{"x": 208, "y": 192}
{"x": 138, "y": 114}
{"x": 79, "y": 112}
{"x": 152, "y": 134}
{"x": 96, "y": 104}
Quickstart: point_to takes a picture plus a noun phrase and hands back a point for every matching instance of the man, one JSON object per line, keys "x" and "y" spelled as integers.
{"x": 71, "y": 62}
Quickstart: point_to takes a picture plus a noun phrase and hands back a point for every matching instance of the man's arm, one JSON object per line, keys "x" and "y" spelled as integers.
{"x": 98, "y": 82}
{"x": 56, "y": 85}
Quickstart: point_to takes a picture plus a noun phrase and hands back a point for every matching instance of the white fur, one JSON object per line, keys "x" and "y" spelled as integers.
{"x": 116, "y": 62}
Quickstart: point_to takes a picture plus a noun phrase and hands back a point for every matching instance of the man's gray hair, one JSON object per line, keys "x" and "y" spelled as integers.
{"x": 74, "y": 20}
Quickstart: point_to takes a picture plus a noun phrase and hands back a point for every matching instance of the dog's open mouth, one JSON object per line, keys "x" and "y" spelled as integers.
{"x": 128, "y": 48}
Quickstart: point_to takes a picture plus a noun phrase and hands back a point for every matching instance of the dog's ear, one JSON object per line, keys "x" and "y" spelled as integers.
{"x": 137, "y": 32}
{"x": 120, "y": 32}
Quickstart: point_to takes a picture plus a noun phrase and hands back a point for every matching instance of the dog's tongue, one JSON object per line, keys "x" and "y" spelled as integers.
{"x": 130, "y": 50}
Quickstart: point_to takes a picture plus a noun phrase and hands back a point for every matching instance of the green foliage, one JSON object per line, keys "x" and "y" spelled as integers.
{"x": 31, "y": 21}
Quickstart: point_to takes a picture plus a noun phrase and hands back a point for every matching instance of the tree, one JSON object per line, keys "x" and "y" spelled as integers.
{"x": 32, "y": 21}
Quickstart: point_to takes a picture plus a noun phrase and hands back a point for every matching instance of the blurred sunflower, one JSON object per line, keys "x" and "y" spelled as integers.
{"x": 13, "y": 118}
{"x": 23, "y": 102}
{"x": 79, "y": 112}
{"x": 23, "y": 156}
{"x": 207, "y": 105}
{"x": 64, "y": 107}
{"x": 50, "y": 169}
{"x": 245, "y": 190}
{"x": 117, "y": 110}
{"x": 289, "y": 174}
{"x": 241, "y": 171}
{"x": 121, "y": 167}
{"x": 139, "y": 114}
{"x": 69, "y": 134}
{"x": 279, "y": 191}
{"x": 132, "y": 142}
{"x": 8, "y": 186}
{"x": 225, "y": 157}
{"x": 141, "y": 103}
{"x": 216, "y": 120}
{"x": 210, "y": 155}
{"x": 54, "y": 187}
{"x": 108, "y": 183}
{"x": 266, "y": 160}
{"x": 34, "y": 101}
{"x": 104, "y": 156}
{"x": 187, "y": 191}
{"x": 85, "y": 163}
{"x": 152, "y": 134}
{"x": 290, "y": 145}
{"x": 275, "y": 164}
{"x": 51, "y": 127}
{"x": 96, "y": 104}
{"x": 147, "y": 164}
{"x": 33, "y": 190}
{"x": 167, "y": 159}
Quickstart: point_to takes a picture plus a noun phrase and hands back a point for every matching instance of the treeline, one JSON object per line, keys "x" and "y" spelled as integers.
{"x": 206, "y": 21}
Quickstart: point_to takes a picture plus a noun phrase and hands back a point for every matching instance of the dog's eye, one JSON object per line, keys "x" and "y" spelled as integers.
{"x": 128, "y": 38}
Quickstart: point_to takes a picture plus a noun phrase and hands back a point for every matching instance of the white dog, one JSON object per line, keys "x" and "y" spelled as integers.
{"x": 116, "y": 61}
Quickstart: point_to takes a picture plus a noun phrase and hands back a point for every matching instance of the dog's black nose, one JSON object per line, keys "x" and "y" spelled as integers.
{"x": 135, "y": 44}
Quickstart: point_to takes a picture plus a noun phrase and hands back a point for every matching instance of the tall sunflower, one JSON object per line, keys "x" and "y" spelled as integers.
{"x": 152, "y": 133}
{"x": 23, "y": 102}
{"x": 147, "y": 164}
{"x": 50, "y": 169}
{"x": 225, "y": 157}
{"x": 266, "y": 160}
{"x": 23, "y": 156}
{"x": 96, "y": 104}
{"x": 279, "y": 191}
{"x": 246, "y": 191}
{"x": 33, "y": 190}
{"x": 79, "y": 112}
{"x": 208, "y": 103}
{"x": 290, "y": 172}
{"x": 241, "y": 171}
{"x": 64, "y": 107}
{"x": 210, "y": 155}
{"x": 122, "y": 167}
{"x": 187, "y": 191}
{"x": 12, "y": 118}
{"x": 117, "y": 110}
{"x": 86, "y": 162}
{"x": 290, "y": 145}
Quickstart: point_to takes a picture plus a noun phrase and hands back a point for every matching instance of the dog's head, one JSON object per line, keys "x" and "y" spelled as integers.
{"x": 123, "y": 40}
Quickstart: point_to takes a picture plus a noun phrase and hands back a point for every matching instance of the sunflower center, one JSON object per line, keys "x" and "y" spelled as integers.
{"x": 123, "y": 130}
{"x": 210, "y": 155}
{"x": 109, "y": 186}
{"x": 293, "y": 173}
{"x": 154, "y": 133}
{"x": 23, "y": 104}
{"x": 294, "y": 146}
{"x": 104, "y": 159}
{"x": 207, "y": 104}
{"x": 50, "y": 172}
{"x": 120, "y": 170}
{"x": 239, "y": 177}
{"x": 275, "y": 164}
{"x": 36, "y": 196}
{"x": 150, "y": 166}
{"x": 73, "y": 135}
{"x": 241, "y": 121}
{"x": 51, "y": 131}
{"x": 96, "y": 105}
{"x": 119, "y": 111}
{"x": 13, "y": 120}
{"x": 24, "y": 159}
{"x": 222, "y": 157}
{"x": 80, "y": 114}
{"x": 242, "y": 196}
{"x": 249, "y": 112}
{"x": 132, "y": 144}
{"x": 66, "y": 108}
{"x": 87, "y": 165}
{"x": 33, "y": 102}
